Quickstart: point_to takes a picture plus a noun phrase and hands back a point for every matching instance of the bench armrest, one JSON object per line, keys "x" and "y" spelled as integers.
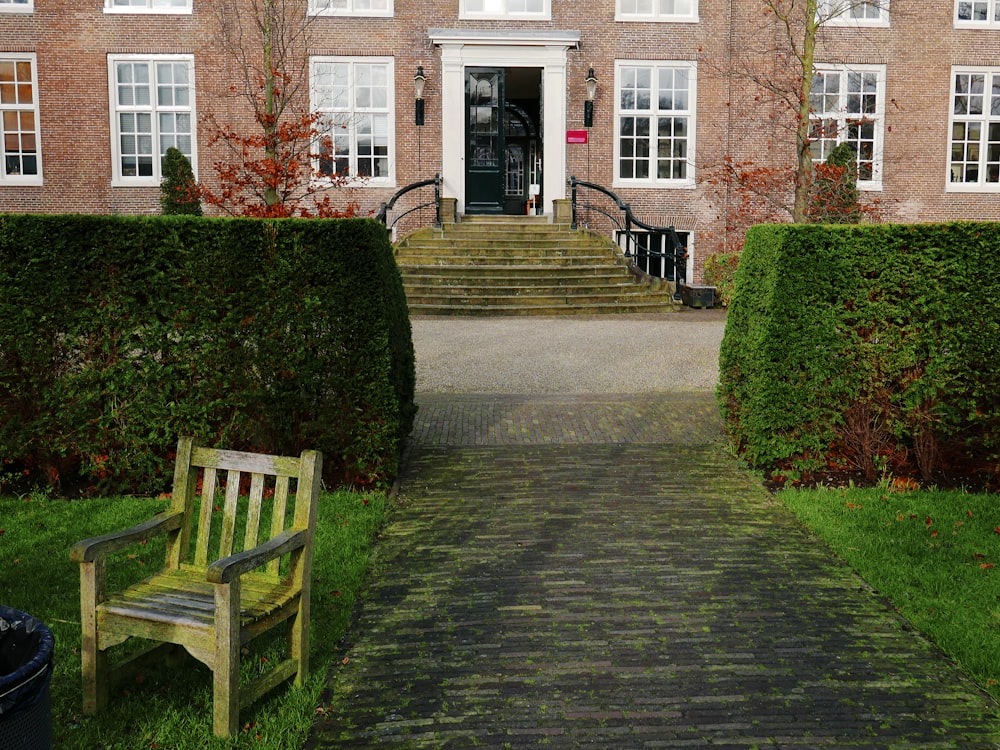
{"x": 228, "y": 568}
{"x": 97, "y": 547}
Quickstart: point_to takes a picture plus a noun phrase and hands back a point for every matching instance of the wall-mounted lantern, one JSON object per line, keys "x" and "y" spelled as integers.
{"x": 418, "y": 88}
{"x": 588, "y": 105}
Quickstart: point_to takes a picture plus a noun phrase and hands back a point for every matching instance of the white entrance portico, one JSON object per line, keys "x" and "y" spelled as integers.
{"x": 463, "y": 49}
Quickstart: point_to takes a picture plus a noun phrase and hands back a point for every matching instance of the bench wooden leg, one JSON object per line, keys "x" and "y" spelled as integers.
{"x": 94, "y": 662}
{"x": 226, "y": 669}
{"x": 298, "y": 643}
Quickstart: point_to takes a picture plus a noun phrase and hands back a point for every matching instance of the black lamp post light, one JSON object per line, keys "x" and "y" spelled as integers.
{"x": 419, "y": 80}
{"x": 588, "y": 105}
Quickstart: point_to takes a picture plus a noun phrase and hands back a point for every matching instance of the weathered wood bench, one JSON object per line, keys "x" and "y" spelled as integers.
{"x": 209, "y": 598}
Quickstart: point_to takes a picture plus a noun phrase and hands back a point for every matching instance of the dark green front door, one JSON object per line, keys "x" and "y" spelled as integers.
{"x": 484, "y": 150}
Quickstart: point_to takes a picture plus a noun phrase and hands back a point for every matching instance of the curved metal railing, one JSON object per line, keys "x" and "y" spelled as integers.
{"x": 636, "y": 248}
{"x": 383, "y": 212}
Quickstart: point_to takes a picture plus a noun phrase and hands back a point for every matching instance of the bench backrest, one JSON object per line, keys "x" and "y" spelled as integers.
{"x": 234, "y": 501}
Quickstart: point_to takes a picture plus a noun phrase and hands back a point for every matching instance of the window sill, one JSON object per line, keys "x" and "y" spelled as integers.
{"x": 333, "y": 13}
{"x": 657, "y": 19}
{"x": 17, "y": 181}
{"x": 960, "y": 188}
{"x": 147, "y": 11}
{"x": 619, "y": 184}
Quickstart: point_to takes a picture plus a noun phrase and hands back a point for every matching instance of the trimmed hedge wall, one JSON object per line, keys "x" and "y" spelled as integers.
{"x": 872, "y": 348}
{"x": 119, "y": 334}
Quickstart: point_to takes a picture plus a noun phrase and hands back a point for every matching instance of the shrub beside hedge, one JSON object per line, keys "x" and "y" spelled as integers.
{"x": 119, "y": 334}
{"x": 873, "y": 348}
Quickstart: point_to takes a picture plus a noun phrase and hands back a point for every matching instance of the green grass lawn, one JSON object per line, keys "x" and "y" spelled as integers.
{"x": 173, "y": 708}
{"x": 934, "y": 554}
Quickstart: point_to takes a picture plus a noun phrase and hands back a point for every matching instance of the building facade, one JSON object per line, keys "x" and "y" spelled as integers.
{"x": 93, "y": 92}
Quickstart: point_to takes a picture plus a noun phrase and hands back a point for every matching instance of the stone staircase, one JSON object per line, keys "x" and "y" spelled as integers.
{"x": 519, "y": 265}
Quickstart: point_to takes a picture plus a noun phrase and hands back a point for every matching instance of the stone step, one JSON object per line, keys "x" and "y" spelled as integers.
{"x": 445, "y": 258}
{"x": 515, "y": 265}
{"x": 495, "y": 298}
{"x": 501, "y": 244}
{"x": 613, "y": 308}
{"x": 602, "y": 280}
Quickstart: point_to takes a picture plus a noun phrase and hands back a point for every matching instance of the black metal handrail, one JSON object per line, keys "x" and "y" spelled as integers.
{"x": 625, "y": 220}
{"x": 383, "y": 211}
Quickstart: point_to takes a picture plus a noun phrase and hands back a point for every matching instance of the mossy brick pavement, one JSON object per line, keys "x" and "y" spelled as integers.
{"x": 598, "y": 572}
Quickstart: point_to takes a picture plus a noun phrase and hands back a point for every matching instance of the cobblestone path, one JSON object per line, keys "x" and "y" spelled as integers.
{"x": 597, "y": 572}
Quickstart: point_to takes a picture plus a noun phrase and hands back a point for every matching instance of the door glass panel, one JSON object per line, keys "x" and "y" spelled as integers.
{"x": 515, "y": 170}
{"x": 484, "y": 119}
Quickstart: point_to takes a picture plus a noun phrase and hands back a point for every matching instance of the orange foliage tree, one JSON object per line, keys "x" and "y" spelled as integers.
{"x": 270, "y": 170}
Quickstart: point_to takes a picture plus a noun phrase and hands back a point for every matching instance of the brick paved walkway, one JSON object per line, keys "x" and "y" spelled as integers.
{"x": 596, "y": 572}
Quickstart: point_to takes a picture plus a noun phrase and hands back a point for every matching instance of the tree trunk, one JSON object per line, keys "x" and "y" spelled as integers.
{"x": 804, "y": 167}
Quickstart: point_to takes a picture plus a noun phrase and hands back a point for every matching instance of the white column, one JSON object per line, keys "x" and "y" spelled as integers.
{"x": 554, "y": 133}
{"x": 453, "y": 124}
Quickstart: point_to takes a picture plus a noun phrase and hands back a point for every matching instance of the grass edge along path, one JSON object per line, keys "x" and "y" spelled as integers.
{"x": 173, "y": 709}
{"x": 935, "y": 555}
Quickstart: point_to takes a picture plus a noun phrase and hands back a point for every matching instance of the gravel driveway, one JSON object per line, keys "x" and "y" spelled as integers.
{"x": 568, "y": 355}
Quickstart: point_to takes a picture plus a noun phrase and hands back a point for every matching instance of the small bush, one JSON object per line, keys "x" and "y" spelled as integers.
{"x": 178, "y": 191}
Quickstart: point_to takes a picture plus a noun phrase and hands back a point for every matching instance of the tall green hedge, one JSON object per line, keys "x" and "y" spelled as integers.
{"x": 119, "y": 334}
{"x": 869, "y": 347}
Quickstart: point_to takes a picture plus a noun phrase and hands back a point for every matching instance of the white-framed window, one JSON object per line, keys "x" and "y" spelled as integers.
{"x": 383, "y": 8}
{"x": 152, "y": 109}
{"x": 977, "y": 14}
{"x": 355, "y": 95}
{"x": 538, "y": 10}
{"x": 17, "y": 6}
{"x": 656, "y": 10}
{"x": 22, "y": 156}
{"x": 655, "y": 123}
{"x": 853, "y": 12}
{"x": 848, "y": 106}
{"x": 974, "y": 155}
{"x": 147, "y": 6}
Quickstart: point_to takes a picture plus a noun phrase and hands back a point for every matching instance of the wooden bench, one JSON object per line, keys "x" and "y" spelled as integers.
{"x": 208, "y": 598}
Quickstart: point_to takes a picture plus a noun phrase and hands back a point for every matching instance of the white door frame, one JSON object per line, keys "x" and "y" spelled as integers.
{"x": 461, "y": 48}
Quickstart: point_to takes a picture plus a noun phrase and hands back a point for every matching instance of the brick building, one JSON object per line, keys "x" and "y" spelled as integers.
{"x": 93, "y": 91}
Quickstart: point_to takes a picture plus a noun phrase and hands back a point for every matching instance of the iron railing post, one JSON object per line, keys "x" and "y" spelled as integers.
{"x": 572, "y": 197}
{"x": 629, "y": 239}
{"x": 437, "y": 201}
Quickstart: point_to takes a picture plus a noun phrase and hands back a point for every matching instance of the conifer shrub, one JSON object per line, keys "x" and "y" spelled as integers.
{"x": 121, "y": 333}
{"x": 178, "y": 191}
{"x": 872, "y": 348}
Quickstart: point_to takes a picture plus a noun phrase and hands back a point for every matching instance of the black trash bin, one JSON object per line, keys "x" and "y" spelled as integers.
{"x": 26, "y": 647}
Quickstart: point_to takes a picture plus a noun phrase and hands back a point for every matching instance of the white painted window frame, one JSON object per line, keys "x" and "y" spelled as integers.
{"x": 992, "y": 20}
{"x": 688, "y": 182}
{"x": 117, "y": 179}
{"x": 843, "y": 116}
{"x": 991, "y": 80}
{"x": 6, "y": 6}
{"x": 656, "y": 16}
{"x": 838, "y": 13}
{"x": 322, "y": 8}
{"x": 505, "y": 14}
{"x": 20, "y": 179}
{"x": 389, "y": 112}
{"x": 149, "y": 9}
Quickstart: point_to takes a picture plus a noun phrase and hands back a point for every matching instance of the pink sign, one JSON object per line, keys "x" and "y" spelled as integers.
{"x": 576, "y": 136}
